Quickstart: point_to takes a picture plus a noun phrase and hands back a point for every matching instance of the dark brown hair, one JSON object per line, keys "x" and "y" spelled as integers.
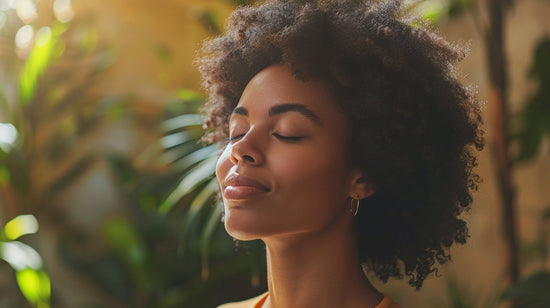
{"x": 415, "y": 128}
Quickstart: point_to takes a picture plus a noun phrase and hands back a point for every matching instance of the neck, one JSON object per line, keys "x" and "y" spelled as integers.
{"x": 318, "y": 269}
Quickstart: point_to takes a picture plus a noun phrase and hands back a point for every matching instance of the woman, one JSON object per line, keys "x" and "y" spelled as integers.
{"x": 349, "y": 146}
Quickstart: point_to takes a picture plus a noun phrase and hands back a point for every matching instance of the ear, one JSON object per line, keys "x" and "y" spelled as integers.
{"x": 361, "y": 186}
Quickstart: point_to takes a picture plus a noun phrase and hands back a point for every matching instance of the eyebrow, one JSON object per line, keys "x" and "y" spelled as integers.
{"x": 284, "y": 108}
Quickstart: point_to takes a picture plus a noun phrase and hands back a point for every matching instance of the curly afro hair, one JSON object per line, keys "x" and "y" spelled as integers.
{"x": 415, "y": 128}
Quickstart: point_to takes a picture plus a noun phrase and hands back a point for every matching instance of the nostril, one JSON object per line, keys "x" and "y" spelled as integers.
{"x": 248, "y": 158}
{"x": 233, "y": 159}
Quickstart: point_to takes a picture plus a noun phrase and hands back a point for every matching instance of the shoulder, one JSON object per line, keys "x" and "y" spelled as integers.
{"x": 387, "y": 302}
{"x": 255, "y": 302}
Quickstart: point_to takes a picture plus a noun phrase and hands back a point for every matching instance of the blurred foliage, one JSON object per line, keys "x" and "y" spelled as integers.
{"x": 50, "y": 106}
{"x": 144, "y": 257}
{"x": 531, "y": 128}
{"x": 32, "y": 280}
{"x": 35, "y": 106}
{"x": 176, "y": 254}
{"x": 531, "y": 292}
{"x": 535, "y": 116}
{"x": 537, "y": 251}
{"x": 462, "y": 295}
{"x": 168, "y": 247}
{"x": 437, "y": 11}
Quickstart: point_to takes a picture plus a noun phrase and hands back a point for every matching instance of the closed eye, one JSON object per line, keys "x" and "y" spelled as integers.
{"x": 237, "y": 137}
{"x": 288, "y": 138}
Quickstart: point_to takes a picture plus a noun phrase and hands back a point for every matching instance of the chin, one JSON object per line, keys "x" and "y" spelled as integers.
{"x": 240, "y": 229}
{"x": 240, "y": 234}
{"x": 248, "y": 226}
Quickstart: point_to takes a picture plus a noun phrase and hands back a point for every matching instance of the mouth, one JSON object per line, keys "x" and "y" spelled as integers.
{"x": 240, "y": 187}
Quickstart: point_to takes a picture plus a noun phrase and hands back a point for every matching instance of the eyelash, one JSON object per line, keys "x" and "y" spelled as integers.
{"x": 288, "y": 138}
{"x": 280, "y": 137}
{"x": 231, "y": 139}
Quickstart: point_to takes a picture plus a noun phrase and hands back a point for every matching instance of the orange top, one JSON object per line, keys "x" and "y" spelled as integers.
{"x": 258, "y": 301}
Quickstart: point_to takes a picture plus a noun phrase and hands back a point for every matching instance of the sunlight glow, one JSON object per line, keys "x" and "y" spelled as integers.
{"x": 36, "y": 286}
{"x": 8, "y": 135}
{"x": 7, "y": 4}
{"x": 20, "y": 256}
{"x": 26, "y": 10}
{"x": 43, "y": 36}
{"x": 23, "y": 37}
{"x": 3, "y": 19}
{"x": 63, "y": 10}
{"x": 19, "y": 226}
{"x": 433, "y": 10}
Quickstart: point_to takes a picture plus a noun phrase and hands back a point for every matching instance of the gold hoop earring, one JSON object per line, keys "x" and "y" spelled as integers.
{"x": 354, "y": 206}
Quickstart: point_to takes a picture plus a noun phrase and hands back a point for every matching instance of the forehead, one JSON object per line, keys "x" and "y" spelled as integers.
{"x": 276, "y": 85}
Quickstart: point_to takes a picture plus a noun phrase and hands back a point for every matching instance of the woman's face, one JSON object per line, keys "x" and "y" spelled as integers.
{"x": 285, "y": 170}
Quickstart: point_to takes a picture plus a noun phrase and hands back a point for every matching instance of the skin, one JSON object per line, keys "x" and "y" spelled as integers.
{"x": 286, "y": 179}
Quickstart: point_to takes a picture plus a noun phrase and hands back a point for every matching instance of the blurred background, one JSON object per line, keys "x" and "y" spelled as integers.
{"x": 107, "y": 197}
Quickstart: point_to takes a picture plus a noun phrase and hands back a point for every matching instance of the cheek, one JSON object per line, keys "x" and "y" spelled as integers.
{"x": 314, "y": 174}
{"x": 223, "y": 165}
{"x": 313, "y": 190}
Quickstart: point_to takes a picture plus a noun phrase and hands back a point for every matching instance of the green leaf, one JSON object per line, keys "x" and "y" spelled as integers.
{"x": 531, "y": 292}
{"x": 197, "y": 156}
{"x": 126, "y": 242}
{"x": 35, "y": 286}
{"x": 175, "y": 139}
{"x": 20, "y": 256}
{"x": 189, "y": 95}
{"x": 174, "y": 154}
{"x": 199, "y": 202}
{"x": 535, "y": 125}
{"x": 4, "y": 176}
{"x": 206, "y": 238}
{"x": 181, "y": 122}
{"x": 199, "y": 174}
{"x": 19, "y": 226}
{"x": 432, "y": 10}
{"x": 38, "y": 61}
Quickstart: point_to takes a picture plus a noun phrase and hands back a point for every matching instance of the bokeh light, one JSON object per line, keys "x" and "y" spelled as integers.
{"x": 19, "y": 226}
{"x": 8, "y": 135}
{"x": 20, "y": 256}
{"x": 26, "y": 10}
{"x": 24, "y": 36}
{"x": 3, "y": 19}
{"x": 43, "y": 36}
{"x": 7, "y": 4}
{"x": 63, "y": 10}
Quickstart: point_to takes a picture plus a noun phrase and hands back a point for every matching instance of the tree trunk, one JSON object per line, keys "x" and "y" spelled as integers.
{"x": 498, "y": 99}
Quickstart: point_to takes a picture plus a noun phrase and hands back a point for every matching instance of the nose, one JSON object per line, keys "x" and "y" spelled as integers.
{"x": 247, "y": 150}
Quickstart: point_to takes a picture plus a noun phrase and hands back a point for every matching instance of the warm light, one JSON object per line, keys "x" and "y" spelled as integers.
{"x": 63, "y": 10}
{"x": 36, "y": 286}
{"x": 7, "y": 4}
{"x": 23, "y": 37}
{"x": 432, "y": 10}
{"x": 20, "y": 256}
{"x": 3, "y": 19}
{"x": 8, "y": 135}
{"x": 26, "y": 10}
{"x": 43, "y": 36}
{"x": 19, "y": 226}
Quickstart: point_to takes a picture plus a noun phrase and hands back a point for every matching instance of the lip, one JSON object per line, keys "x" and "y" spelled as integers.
{"x": 240, "y": 187}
